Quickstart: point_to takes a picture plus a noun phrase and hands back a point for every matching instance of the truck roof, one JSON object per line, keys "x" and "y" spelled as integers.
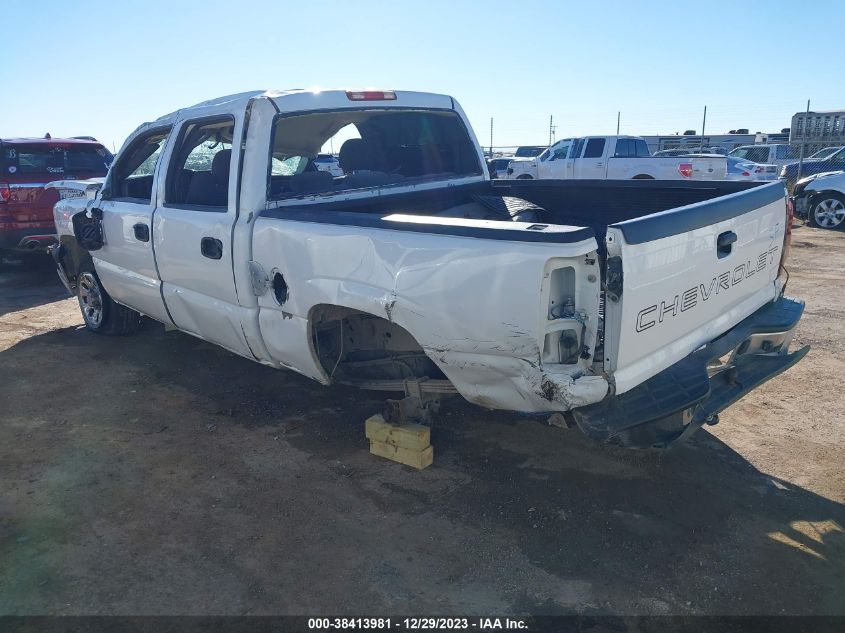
{"x": 38, "y": 140}
{"x": 311, "y": 99}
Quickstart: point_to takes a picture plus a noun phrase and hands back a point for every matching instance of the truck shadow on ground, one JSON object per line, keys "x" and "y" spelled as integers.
{"x": 27, "y": 282}
{"x": 514, "y": 515}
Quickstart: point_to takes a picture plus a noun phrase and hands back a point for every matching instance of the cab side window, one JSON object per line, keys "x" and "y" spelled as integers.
{"x": 199, "y": 168}
{"x": 132, "y": 175}
{"x": 623, "y": 148}
{"x": 595, "y": 148}
{"x": 560, "y": 152}
{"x": 641, "y": 148}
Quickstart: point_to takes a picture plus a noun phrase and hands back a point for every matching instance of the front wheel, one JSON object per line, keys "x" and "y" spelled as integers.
{"x": 99, "y": 311}
{"x": 828, "y": 211}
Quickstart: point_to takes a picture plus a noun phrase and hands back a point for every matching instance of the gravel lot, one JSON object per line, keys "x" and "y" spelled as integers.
{"x": 158, "y": 474}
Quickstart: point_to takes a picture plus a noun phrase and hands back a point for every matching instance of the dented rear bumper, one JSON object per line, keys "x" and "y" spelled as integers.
{"x": 670, "y": 406}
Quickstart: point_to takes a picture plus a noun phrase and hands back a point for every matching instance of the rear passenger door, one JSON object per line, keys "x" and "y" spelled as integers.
{"x": 125, "y": 263}
{"x": 593, "y": 164}
{"x": 193, "y": 230}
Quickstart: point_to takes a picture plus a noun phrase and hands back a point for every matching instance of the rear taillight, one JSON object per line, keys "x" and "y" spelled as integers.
{"x": 745, "y": 173}
{"x": 371, "y": 95}
{"x": 685, "y": 169}
{"x": 787, "y": 239}
{"x": 5, "y": 192}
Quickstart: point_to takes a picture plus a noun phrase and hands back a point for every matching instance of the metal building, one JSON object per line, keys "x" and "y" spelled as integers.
{"x": 816, "y": 130}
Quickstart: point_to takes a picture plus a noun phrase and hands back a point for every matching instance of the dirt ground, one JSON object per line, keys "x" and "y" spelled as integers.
{"x": 157, "y": 474}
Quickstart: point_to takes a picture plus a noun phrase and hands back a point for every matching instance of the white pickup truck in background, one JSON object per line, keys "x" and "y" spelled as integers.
{"x": 638, "y": 309}
{"x": 779, "y": 154}
{"x": 614, "y": 158}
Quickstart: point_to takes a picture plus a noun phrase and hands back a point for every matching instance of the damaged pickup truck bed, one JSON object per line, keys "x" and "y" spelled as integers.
{"x": 640, "y": 309}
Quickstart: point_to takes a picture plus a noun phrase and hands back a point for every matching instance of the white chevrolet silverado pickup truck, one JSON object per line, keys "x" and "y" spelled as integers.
{"x": 638, "y": 310}
{"x": 614, "y": 158}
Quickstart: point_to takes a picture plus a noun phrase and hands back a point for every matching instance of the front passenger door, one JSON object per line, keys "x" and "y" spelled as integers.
{"x": 125, "y": 264}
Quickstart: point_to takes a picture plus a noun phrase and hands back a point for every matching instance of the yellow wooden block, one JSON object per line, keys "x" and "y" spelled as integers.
{"x": 417, "y": 459}
{"x": 415, "y": 437}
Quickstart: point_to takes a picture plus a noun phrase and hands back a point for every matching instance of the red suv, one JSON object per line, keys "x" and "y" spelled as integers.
{"x": 26, "y": 165}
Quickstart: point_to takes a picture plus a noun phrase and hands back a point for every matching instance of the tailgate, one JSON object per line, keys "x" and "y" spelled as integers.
{"x": 680, "y": 278}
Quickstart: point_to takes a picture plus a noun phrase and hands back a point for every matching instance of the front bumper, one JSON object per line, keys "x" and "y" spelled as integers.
{"x": 801, "y": 204}
{"x": 672, "y": 405}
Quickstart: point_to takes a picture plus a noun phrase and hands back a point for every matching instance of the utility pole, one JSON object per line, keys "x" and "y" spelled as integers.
{"x": 703, "y": 123}
{"x": 618, "y": 119}
{"x": 551, "y": 129}
{"x": 803, "y": 136}
{"x": 491, "y": 138}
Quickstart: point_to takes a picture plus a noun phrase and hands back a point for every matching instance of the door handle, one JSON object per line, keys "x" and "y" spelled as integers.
{"x": 724, "y": 243}
{"x": 211, "y": 247}
{"x": 142, "y": 232}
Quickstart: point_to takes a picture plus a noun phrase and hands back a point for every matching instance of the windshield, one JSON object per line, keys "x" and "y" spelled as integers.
{"x": 378, "y": 148}
{"x": 528, "y": 152}
{"x": 49, "y": 159}
{"x": 827, "y": 152}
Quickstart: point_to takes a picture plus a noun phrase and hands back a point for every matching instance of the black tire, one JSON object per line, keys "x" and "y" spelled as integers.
{"x": 642, "y": 177}
{"x": 827, "y": 211}
{"x": 99, "y": 311}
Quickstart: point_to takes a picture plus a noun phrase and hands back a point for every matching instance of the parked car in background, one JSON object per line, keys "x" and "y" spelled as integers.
{"x": 528, "y": 151}
{"x": 498, "y": 167}
{"x": 767, "y": 153}
{"x": 614, "y": 158}
{"x": 835, "y": 162}
{"x": 825, "y": 152}
{"x": 26, "y": 165}
{"x": 740, "y": 169}
{"x": 329, "y": 163}
{"x": 820, "y": 199}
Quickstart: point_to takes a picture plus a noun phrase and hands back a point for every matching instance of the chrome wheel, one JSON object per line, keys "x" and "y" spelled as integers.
{"x": 829, "y": 213}
{"x": 90, "y": 300}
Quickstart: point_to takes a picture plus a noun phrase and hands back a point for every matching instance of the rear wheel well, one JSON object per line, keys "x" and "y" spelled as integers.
{"x": 642, "y": 177}
{"x": 362, "y": 349}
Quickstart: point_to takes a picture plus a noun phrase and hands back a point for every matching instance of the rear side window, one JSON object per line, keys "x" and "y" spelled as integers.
{"x": 752, "y": 154}
{"x": 785, "y": 151}
{"x": 56, "y": 160}
{"x": 641, "y": 148}
{"x": 595, "y": 148}
{"x": 623, "y": 148}
{"x": 133, "y": 174}
{"x": 199, "y": 168}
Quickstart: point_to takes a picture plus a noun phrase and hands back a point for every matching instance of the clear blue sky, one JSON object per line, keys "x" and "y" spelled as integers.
{"x": 101, "y": 68}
